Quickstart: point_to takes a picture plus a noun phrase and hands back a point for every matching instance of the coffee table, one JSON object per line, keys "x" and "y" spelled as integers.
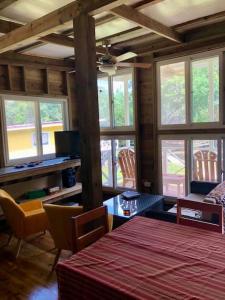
{"x": 123, "y": 210}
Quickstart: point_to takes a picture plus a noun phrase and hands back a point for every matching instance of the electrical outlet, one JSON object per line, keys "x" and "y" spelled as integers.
{"x": 147, "y": 184}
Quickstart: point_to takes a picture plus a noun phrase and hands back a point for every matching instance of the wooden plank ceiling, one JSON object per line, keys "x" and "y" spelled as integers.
{"x": 45, "y": 28}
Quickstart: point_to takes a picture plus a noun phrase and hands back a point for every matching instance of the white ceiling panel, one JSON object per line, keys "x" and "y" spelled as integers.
{"x": 52, "y": 51}
{"x": 29, "y": 10}
{"x": 172, "y": 12}
{"x": 113, "y": 27}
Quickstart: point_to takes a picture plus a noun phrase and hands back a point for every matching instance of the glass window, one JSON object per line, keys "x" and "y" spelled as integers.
{"x": 107, "y": 165}
{"x": 51, "y": 120}
{"x": 204, "y": 160}
{"x": 173, "y": 167}
{"x": 30, "y": 127}
{"x": 21, "y": 128}
{"x": 118, "y": 163}
{"x": 123, "y": 100}
{"x": 172, "y": 90}
{"x": 116, "y": 101}
{"x": 126, "y": 164}
{"x": 103, "y": 102}
{"x": 205, "y": 90}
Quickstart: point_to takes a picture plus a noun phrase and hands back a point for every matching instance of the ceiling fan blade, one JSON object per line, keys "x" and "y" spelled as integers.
{"x": 125, "y": 56}
{"x": 135, "y": 65}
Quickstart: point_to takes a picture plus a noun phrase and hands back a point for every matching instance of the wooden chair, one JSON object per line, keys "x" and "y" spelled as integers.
{"x": 205, "y": 165}
{"x": 126, "y": 159}
{"x": 204, "y": 207}
{"x": 89, "y": 227}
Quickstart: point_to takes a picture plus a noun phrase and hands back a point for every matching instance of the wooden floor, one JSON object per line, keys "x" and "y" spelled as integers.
{"x": 29, "y": 276}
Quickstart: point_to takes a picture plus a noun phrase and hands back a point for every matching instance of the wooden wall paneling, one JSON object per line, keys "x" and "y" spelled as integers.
{"x": 148, "y": 142}
{"x": 4, "y": 78}
{"x": 222, "y": 82}
{"x": 72, "y": 104}
{"x": 57, "y": 82}
{"x": 35, "y": 80}
{"x": 45, "y": 79}
{"x": 17, "y": 79}
{"x": 137, "y": 129}
{"x": 87, "y": 99}
{"x": 2, "y": 162}
{"x": 65, "y": 83}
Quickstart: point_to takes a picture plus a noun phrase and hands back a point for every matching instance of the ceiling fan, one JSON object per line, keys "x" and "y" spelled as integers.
{"x": 108, "y": 63}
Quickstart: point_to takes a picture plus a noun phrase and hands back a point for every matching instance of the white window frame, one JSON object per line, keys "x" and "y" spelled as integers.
{"x": 37, "y": 100}
{"x": 115, "y": 161}
{"x": 188, "y": 138}
{"x": 188, "y": 101}
{"x": 111, "y": 102}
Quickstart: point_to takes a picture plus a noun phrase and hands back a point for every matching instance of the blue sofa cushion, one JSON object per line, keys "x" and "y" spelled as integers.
{"x": 202, "y": 187}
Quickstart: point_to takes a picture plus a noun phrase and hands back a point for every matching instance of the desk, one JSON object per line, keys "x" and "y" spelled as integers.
{"x": 124, "y": 210}
{"x": 147, "y": 259}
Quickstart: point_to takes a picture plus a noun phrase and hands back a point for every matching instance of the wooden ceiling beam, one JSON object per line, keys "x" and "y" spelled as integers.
{"x": 6, "y": 3}
{"x": 139, "y": 5}
{"x": 7, "y": 26}
{"x": 63, "y": 40}
{"x": 131, "y": 14}
{"x": 53, "y": 21}
{"x": 14, "y": 58}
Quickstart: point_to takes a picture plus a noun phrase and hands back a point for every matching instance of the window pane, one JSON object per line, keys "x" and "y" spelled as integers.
{"x": 106, "y": 159}
{"x": 173, "y": 167}
{"x": 205, "y": 157}
{"x": 172, "y": 81}
{"x": 126, "y": 163}
{"x": 51, "y": 121}
{"x": 205, "y": 88}
{"x": 20, "y": 122}
{"x": 103, "y": 102}
{"x": 123, "y": 100}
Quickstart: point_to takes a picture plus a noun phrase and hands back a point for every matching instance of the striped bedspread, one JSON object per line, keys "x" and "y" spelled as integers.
{"x": 147, "y": 259}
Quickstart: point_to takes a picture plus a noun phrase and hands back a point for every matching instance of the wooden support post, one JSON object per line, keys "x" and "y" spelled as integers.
{"x": 87, "y": 102}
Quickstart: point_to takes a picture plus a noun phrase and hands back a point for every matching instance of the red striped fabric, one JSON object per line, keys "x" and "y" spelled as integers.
{"x": 147, "y": 259}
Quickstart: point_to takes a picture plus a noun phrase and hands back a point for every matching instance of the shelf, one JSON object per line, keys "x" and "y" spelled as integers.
{"x": 11, "y": 173}
{"x": 62, "y": 194}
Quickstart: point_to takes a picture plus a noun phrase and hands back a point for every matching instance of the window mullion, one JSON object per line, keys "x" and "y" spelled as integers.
{"x": 188, "y": 92}
{"x": 219, "y": 160}
{"x": 38, "y": 128}
{"x": 111, "y": 102}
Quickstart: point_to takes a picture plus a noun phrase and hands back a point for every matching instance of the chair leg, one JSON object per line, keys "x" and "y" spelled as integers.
{"x": 9, "y": 239}
{"x": 18, "y": 247}
{"x": 56, "y": 259}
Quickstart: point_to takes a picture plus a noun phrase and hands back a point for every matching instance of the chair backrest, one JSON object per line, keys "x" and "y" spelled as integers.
{"x": 203, "y": 207}
{"x": 126, "y": 159}
{"x": 13, "y": 212}
{"x": 89, "y": 227}
{"x": 60, "y": 224}
{"x": 205, "y": 165}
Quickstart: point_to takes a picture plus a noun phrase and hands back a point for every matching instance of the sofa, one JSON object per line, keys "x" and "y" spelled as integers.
{"x": 198, "y": 192}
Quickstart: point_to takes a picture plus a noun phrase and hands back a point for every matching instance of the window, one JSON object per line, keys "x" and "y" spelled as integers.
{"x": 29, "y": 125}
{"x": 172, "y": 90}
{"x": 116, "y": 101}
{"x": 116, "y": 112}
{"x": 118, "y": 163}
{"x": 205, "y": 90}
{"x": 189, "y": 92}
{"x": 187, "y": 158}
{"x": 173, "y": 167}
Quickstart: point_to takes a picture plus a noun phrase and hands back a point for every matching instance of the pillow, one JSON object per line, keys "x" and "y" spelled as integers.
{"x": 217, "y": 194}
